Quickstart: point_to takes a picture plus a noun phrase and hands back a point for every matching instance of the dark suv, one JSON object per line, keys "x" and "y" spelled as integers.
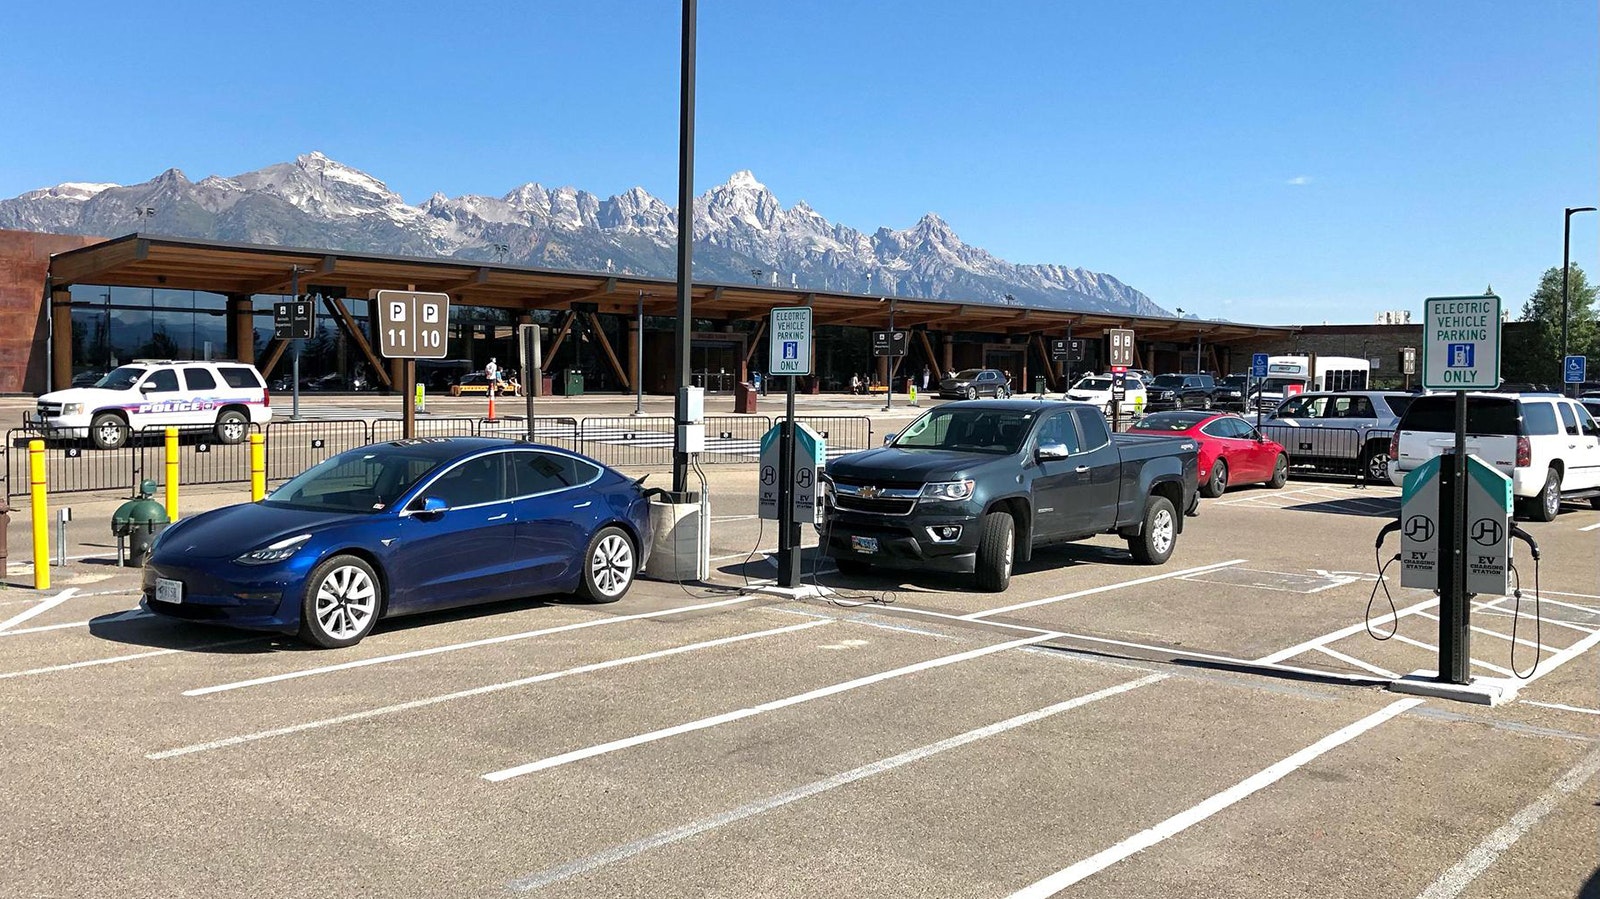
{"x": 1181, "y": 392}
{"x": 973, "y": 383}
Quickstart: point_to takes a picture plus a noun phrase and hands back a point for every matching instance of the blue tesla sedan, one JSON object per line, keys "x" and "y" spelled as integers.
{"x": 404, "y": 527}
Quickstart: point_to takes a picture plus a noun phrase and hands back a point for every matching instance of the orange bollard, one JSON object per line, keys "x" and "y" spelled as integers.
{"x": 491, "y": 401}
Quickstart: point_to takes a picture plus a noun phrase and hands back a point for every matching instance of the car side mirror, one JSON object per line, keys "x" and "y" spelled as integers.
{"x": 147, "y": 387}
{"x": 432, "y": 507}
{"x": 1049, "y": 452}
{"x": 889, "y": 438}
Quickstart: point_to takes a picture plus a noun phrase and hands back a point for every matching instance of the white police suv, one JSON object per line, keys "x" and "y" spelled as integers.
{"x": 227, "y": 396}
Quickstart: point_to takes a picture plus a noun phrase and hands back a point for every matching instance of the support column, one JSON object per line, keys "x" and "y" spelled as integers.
{"x": 948, "y": 350}
{"x": 633, "y": 352}
{"x": 60, "y": 338}
{"x": 241, "y": 328}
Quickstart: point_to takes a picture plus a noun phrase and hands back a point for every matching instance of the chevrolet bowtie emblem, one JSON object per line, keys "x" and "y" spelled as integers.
{"x": 870, "y": 492}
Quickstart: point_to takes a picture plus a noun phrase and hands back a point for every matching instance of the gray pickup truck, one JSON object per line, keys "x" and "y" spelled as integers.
{"x": 970, "y": 487}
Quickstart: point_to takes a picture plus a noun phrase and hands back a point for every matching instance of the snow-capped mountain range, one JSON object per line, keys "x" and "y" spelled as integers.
{"x": 742, "y": 233}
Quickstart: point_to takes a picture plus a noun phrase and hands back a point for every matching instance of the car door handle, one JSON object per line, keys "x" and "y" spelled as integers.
{"x": 1081, "y": 469}
{"x": 498, "y": 517}
{"x": 584, "y": 505}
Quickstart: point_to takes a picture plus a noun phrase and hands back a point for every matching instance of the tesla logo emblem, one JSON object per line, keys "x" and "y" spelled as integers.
{"x": 1487, "y": 532}
{"x": 1419, "y": 528}
{"x": 870, "y": 492}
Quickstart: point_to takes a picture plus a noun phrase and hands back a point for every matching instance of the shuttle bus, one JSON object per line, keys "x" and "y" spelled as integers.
{"x": 1289, "y": 375}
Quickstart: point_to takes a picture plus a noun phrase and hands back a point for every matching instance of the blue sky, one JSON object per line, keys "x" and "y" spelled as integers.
{"x": 1270, "y": 161}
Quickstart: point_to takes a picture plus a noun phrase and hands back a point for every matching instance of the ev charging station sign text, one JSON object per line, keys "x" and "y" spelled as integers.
{"x": 1461, "y": 343}
{"x": 790, "y": 349}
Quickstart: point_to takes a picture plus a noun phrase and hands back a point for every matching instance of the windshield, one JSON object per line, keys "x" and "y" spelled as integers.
{"x": 997, "y": 431}
{"x": 1234, "y": 381}
{"x": 363, "y": 480}
{"x": 1485, "y": 415}
{"x": 970, "y": 374}
{"x": 1171, "y": 421}
{"x": 1093, "y": 384}
{"x": 1277, "y": 385}
{"x": 121, "y": 379}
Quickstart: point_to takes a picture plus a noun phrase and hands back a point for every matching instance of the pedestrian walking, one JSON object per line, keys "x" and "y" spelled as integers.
{"x": 925, "y": 374}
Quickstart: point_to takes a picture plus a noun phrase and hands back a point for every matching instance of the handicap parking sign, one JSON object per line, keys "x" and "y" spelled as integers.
{"x": 1459, "y": 355}
{"x": 1258, "y": 365}
{"x": 1576, "y": 369}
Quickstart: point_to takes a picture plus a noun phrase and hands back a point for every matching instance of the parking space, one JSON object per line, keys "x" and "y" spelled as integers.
{"x": 1100, "y": 729}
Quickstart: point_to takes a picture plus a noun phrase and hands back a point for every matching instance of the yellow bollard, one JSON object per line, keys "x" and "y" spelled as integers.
{"x": 41, "y": 515}
{"x": 172, "y": 474}
{"x": 258, "y": 467}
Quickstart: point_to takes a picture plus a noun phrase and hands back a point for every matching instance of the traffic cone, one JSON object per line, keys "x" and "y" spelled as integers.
{"x": 491, "y": 402}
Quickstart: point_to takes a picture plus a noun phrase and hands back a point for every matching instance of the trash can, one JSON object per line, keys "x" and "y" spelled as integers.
{"x": 140, "y": 519}
{"x": 572, "y": 382}
{"x": 547, "y": 385}
{"x": 1038, "y": 384}
{"x": 744, "y": 399}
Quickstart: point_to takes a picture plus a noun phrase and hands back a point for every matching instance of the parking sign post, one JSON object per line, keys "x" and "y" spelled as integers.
{"x": 411, "y": 326}
{"x": 789, "y": 353}
{"x": 1460, "y": 352}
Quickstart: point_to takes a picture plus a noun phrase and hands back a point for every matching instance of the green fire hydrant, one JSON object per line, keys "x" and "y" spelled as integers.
{"x": 139, "y": 519}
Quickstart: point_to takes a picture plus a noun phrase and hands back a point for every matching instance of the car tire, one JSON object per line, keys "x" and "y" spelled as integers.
{"x": 996, "y": 551}
{"x": 1594, "y": 502}
{"x": 232, "y": 427}
{"x": 1206, "y": 404}
{"x": 972, "y": 393}
{"x": 1217, "y": 484}
{"x": 342, "y": 601}
{"x": 1158, "y": 536}
{"x": 1547, "y": 505}
{"x": 610, "y": 563}
{"x": 852, "y": 567}
{"x": 1375, "y": 464}
{"x": 1280, "y": 473}
{"x": 108, "y": 431}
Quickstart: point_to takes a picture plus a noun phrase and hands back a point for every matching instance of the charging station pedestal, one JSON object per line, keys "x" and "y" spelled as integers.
{"x": 680, "y": 541}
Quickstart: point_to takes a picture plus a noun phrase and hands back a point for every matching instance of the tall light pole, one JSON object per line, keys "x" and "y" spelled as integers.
{"x": 888, "y": 396}
{"x": 638, "y": 357}
{"x": 1566, "y": 254}
{"x": 683, "y": 343}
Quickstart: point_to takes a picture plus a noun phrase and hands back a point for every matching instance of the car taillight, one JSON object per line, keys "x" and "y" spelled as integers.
{"x": 266, "y": 397}
{"x": 1524, "y": 453}
{"x": 1394, "y": 446}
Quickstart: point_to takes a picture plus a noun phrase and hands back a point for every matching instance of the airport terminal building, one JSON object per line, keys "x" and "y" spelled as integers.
{"x": 73, "y": 306}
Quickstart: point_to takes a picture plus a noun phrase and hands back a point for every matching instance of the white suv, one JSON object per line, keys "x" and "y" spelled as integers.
{"x": 227, "y": 396}
{"x": 1548, "y": 445}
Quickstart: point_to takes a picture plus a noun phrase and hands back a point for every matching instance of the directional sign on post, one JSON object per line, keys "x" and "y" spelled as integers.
{"x": 1462, "y": 343}
{"x": 1576, "y": 370}
{"x": 789, "y": 349}
{"x": 1408, "y": 360}
{"x": 411, "y": 325}
{"x": 1068, "y": 349}
{"x": 1121, "y": 348}
{"x": 1258, "y": 365}
{"x": 293, "y": 319}
{"x": 890, "y": 343}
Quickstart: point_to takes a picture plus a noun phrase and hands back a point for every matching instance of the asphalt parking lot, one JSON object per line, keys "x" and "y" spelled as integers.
{"x": 1214, "y": 727}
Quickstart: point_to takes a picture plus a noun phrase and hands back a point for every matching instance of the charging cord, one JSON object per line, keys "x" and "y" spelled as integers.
{"x": 1383, "y": 567}
{"x": 1516, "y": 613}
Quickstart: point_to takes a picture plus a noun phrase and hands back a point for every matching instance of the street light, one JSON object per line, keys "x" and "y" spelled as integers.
{"x": 888, "y": 396}
{"x": 1566, "y": 253}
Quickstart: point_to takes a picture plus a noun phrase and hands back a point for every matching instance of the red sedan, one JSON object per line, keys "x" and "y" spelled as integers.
{"x": 1231, "y": 450}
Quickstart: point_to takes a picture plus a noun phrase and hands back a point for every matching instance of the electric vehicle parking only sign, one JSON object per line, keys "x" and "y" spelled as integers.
{"x": 1461, "y": 343}
{"x": 789, "y": 352}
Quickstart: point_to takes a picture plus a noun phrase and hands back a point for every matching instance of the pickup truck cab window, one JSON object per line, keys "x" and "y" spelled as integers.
{"x": 1095, "y": 434}
{"x": 1059, "y": 429}
{"x": 997, "y": 431}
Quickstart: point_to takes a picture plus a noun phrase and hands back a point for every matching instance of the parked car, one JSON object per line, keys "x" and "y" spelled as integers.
{"x": 335, "y": 381}
{"x": 1096, "y": 391}
{"x": 88, "y": 378}
{"x": 1230, "y": 392}
{"x": 227, "y": 396}
{"x": 404, "y": 527}
{"x": 972, "y": 487}
{"x": 1548, "y": 445}
{"x": 1182, "y": 392}
{"x": 1343, "y": 431}
{"x": 972, "y": 383}
{"x": 1232, "y": 451}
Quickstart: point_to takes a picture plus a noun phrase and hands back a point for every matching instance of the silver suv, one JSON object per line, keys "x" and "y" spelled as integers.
{"x": 1342, "y": 431}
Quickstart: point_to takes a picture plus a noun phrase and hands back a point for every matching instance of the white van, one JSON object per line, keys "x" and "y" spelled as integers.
{"x": 1548, "y": 445}
{"x": 229, "y": 397}
{"x": 1289, "y": 375}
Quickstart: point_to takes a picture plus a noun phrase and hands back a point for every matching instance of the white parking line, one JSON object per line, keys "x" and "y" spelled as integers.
{"x": 1180, "y": 822}
{"x": 1341, "y": 633}
{"x": 976, "y": 616}
{"x": 1494, "y": 606}
{"x": 1434, "y": 649}
{"x": 478, "y": 691}
{"x": 90, "y": 663}
{"x": 1589, "y": 527}
{"x": 714, "y": 720}
{"x": 1352, "y": 660}
{"x": 452, "y": 647}
{"x": 1455, "y": 881}
{"x": 44, "y": 605}
{"x": 1557, "y": 705}
{"x": 1493, "y": 633}
{"x": 129, "y": 615}
{"x": 1563, "y": 657}
{"x": 665, "y": 838}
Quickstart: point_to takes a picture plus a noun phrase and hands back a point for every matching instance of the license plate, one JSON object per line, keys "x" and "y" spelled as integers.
{"x": 169, "y": 591}
{"x": 864, "y": 544}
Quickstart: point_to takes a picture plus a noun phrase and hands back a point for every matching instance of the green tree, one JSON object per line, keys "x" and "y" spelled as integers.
{"x": 1541, "y": 359}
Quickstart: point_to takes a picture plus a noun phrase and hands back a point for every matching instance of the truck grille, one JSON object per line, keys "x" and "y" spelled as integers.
{"x": 49, "y": 410}
{"x": 875, "y": 499}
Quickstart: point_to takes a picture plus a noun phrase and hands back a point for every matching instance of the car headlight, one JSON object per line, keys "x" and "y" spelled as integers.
{"x": 71, "y": 408}
{"x": 276, "y": 552}
{"x": 947, "y": 491}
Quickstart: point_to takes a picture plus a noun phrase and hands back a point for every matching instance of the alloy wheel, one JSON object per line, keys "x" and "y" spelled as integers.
{"x": 346, "y": 601}
{"x": 1161, "y": 531}
{"x": 611, "y": 567}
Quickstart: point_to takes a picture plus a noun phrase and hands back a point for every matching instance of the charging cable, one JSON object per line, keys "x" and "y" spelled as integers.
{"x": 1516, "y": 614}
{"x": 1383, "y": 567}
